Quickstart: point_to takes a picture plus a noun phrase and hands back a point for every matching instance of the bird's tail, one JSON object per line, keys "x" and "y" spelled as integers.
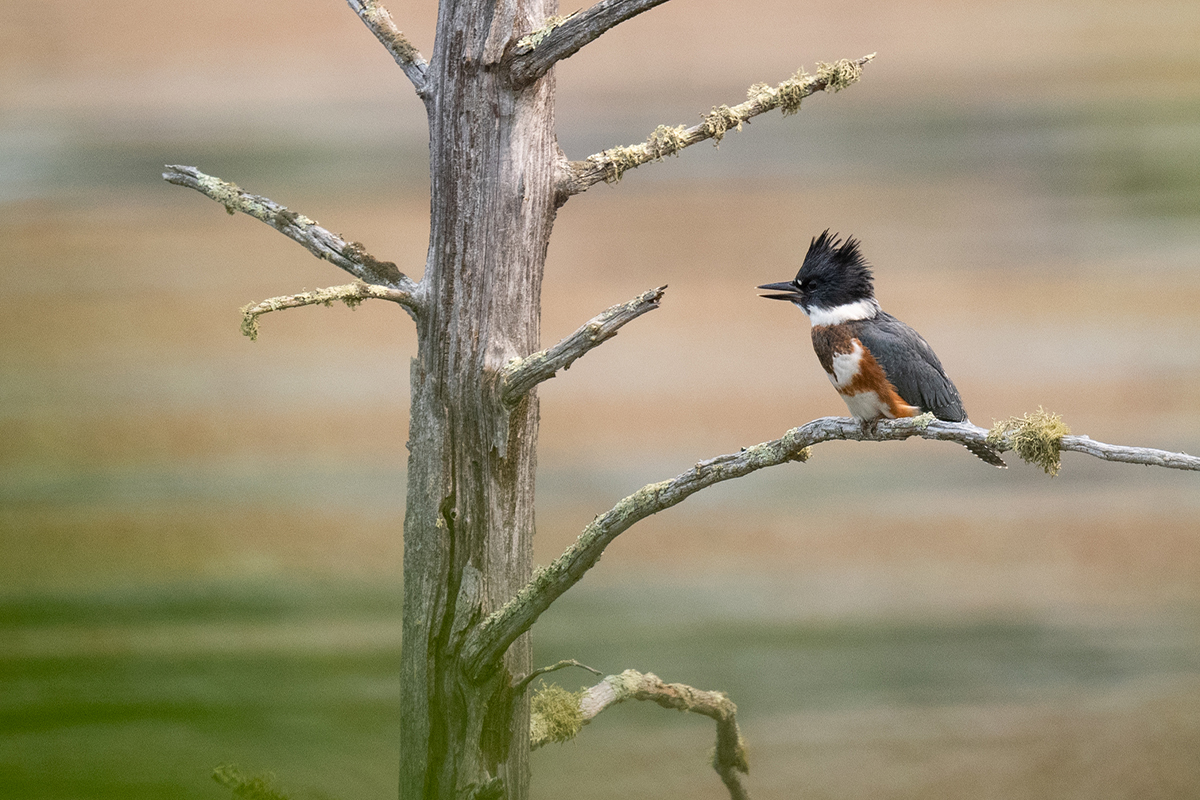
{"x": 986, "y": 454}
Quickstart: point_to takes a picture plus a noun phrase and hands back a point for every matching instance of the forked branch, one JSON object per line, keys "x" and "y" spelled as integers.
{"x": 565, "y": 713}
{"x": 522, "y": 374}
{"x": 380, "y": 23}
{"x": 1044, "y": 439}
{"x": 610, "y": 165}
{"x": 563, "y": 37}
{"x": 324, "y": 244}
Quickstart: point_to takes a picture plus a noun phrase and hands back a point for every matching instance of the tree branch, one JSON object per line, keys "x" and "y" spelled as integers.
{"x": 520, "y": 685}
{"x": 1146, "y": 456}
{"x": 730, "y": 757}
{"x": 520, "y": 375}
{"x": 350, "y": 256}
{"x": 379, "y": 21}
{"x": 488, "y": 642}
{"x": 610, "y": 165}
{"x": 352, "y": 294}
{"x": 563, "y": 37}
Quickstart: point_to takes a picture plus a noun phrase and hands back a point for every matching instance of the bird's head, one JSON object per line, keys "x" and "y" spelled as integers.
{"x": 834, "y": 276}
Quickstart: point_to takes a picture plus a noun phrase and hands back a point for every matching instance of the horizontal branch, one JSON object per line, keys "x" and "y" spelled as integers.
{"x": 520, "y": 375}
{"x": 324, "y": 244}
{"x": 1146, "y": 456}
{"x": 1036, "y": 438}
{"x": 352, "y": 294}
{"x": 380, "y": 23}
{"x": 730, "y": 757}
{"x": 610, "y": 165}
{"x": 563, "y": 37}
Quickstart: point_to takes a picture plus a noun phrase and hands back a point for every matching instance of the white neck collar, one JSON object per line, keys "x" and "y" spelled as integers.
{"x": 847, "y": 312}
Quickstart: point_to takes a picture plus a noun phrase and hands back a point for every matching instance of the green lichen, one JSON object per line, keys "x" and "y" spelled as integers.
{"x": 839, "y": 74}
{"x": 1034, "y": 437}
{"x": 258, "y": 787}
{"x": 617, "y": 160}
{"x": 921, "y": 421}
{"x": 531, "y": 40}
{"x": 666, "y": 141}
{"x": 791, "y": 92}
{"x": 719, "y": 120}
{"x": 226, "y": 193}
{"x": 351, "y": 294}
{"x": 741, "y": 759}
{"x": 555, "y": 715}
{"x": 762, "y": 94}
{"x": 249, "y": 322}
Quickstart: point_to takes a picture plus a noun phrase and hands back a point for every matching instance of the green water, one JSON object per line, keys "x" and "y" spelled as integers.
{"x": 139, "y": 694}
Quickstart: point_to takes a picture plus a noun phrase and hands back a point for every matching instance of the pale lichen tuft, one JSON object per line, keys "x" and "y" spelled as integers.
{"x": 665, "y": 141}
{"x": 555, "y": 715}
{"x": 838, "y": 75}
{"x": 249, "y": 322}
{"x": 762, "y": 94}
{"x": 1034, "y": 437}
{"x": 792, "y": 91}
{"x": 615, "y": 161}
{"x": 719, "y": 120}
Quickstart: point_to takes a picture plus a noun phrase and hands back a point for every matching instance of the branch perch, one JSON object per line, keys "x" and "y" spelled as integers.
{"x": 559, "y": 715}
{"x": 610, "y": 165}
{"x": 380, "y": 23}
{"x": 563, "y": 37}
{"x": 324, "y": 244}
{"x": 352, "y": 294}
{"x": 520, "y": 685}
{"x": 520, "y": 375}
{"x": 489, "y": 641}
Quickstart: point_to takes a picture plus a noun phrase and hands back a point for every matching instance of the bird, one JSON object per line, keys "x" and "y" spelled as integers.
{"x": 882, "y": 368}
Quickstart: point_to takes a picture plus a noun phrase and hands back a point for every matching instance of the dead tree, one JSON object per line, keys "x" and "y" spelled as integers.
{"x": 497, "y": 180}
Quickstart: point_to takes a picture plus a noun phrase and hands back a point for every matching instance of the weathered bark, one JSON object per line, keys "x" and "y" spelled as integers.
{"x": 468, "y": 530}
{"x": 497, "y": 176}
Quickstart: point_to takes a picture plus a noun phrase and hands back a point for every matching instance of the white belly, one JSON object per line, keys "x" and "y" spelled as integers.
{"x": 867, "y": 405}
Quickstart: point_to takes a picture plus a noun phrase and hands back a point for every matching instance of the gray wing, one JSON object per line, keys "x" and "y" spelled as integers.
{"x": 911, "y": 365}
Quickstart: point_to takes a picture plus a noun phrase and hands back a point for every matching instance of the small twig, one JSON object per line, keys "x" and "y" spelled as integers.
{"x": 522, "y": 374}
{"x": 324, "y": 244}
{"x": 352, "y": 294}
{"x": 562, "y": 38}
{"x": 522, "y": 684}
{"x": 487, "y": 643}
{"x": 729, "y": 760}
{"x": 609, "y": 165}
{"x": 380, "y": 23}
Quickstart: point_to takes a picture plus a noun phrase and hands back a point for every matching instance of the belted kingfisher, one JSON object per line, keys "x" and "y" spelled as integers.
{"x": 882, "y": 368}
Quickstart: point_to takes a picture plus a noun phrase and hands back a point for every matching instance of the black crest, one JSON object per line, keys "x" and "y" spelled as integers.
{"x": 835, "y": 272}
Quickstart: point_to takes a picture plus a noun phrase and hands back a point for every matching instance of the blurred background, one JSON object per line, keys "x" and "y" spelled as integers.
{"x": 200, "y": 536}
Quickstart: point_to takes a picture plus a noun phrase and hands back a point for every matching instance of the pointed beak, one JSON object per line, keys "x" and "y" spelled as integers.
{"x": 784, "y": 291}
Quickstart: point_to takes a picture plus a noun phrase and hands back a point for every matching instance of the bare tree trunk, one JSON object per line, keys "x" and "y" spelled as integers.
{"x": 497, "y": 177}
{"x": 468, "y": 531}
